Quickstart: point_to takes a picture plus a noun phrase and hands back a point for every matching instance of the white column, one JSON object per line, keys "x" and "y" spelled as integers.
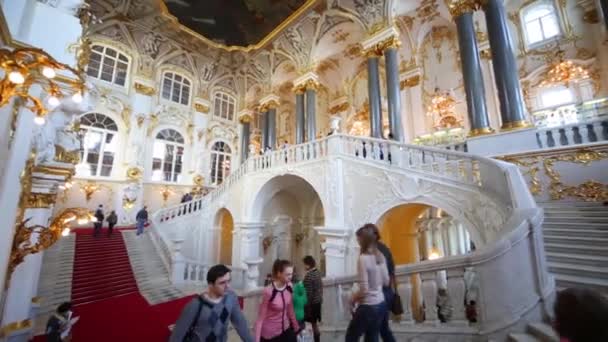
{"x": 250, "y": 242}
{"x": 335, "y": 248}
{"x": 9, "y": 196}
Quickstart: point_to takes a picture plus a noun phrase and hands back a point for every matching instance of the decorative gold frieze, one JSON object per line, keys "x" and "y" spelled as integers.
{"x": 410, "y": 82}
{"x": 15, "y": 326}
{"x": 339, "y": 108}
{"x": 143, "y": 89}
{"x": 201, "y": 108}
{"x": 40, "y": 200}
{"x": 63, "y": 156}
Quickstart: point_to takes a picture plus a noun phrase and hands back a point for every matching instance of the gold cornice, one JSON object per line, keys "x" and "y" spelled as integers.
{"x": 144, "y": 89}
{"x": 271, "y": 104}
{"x": 40, "y": 200}
{"x": 202, "y": 108}
{"x": 260, "y": 45}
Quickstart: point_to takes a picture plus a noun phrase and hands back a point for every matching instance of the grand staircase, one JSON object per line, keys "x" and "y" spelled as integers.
{"x": 101, "y": 268}
{"x": 576, "y": 244}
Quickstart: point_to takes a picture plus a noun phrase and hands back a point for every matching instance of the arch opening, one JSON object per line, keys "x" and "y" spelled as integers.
{"x": 289, "y": 208}
{"x": 225, "y": 223}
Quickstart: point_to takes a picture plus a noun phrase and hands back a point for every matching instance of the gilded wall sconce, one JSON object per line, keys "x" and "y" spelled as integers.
{"x": 165, "y": 192}
{"x": 25, "y": 67}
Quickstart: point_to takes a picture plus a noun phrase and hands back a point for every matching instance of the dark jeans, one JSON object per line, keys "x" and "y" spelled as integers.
{"x": 385, "y": 330}
{"x": 96, "y": 228}
{"x": 366, "y": 321}
{"x": 111, "y": 228}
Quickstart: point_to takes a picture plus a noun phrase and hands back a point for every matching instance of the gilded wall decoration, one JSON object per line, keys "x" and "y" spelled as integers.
{"x": 40, "y": 200}
{"x": 340, "y": 36}
{"x": 134, "y": 174}
{"x": 144, "y": 89}
{"x": 589, "y": 190}
{"x": 427, "y": 11}
{"x": 68, "y": 157}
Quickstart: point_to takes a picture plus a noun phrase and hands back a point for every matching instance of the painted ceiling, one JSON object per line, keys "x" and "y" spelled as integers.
{"x": 233, "y": 22}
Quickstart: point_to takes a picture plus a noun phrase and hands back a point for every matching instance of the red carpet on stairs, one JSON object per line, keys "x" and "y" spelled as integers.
{"x": 106, "y": 297}
{"x": 102, "y": 268}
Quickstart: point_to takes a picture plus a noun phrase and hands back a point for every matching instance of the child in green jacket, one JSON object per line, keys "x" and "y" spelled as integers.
{"x": 299, "y": 299}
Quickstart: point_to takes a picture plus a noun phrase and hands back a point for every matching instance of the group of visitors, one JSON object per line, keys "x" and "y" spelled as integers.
{"x": 141, "y": 219}
{"x": 112, "y": 219}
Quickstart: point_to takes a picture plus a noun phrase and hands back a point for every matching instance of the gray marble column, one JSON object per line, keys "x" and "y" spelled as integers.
{"x": 375, "y": 108}
{"x": 245, "y": 137}
{"x": 300, "y": 118}
{"x": 604, "y": 8}
{"x": 311, "y": 114}
{"x": 393, "y": 93}
{"x": 272, "y": 128}
{"x": 506, "y": 72}
{"x": 264, "y": 130}
{"x": 473, "y": 78}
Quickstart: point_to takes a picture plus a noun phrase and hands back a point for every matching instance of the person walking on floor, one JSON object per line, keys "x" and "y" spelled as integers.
{"x": 313, "y": 284}
{"x": 206, "y": 317}
{"x": 59, "y": 325}
{"x": 299, "y": 300}
{"x": 99, "y": 220}
{"x": 372, "y": 275}
{"x": 388, "y": 291}
{"x": 276, "y": 319}
{"x": 141, "y": 218}
{"x": 112, "y": 219}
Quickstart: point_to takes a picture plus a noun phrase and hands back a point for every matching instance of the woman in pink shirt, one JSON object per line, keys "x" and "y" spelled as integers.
{"x": 277, "y": 320}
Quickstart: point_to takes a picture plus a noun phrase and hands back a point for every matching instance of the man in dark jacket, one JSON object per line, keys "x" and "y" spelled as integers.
{"x": 58, "y": 323}
{"x": 142, "y": 218}
{"x": 99, "y": 220}
{"x": 112, "y": 219}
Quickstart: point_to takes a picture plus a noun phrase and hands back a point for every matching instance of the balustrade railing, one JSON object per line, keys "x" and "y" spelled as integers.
{"x": 573, "y": 134}
{"x": 193, "y": 272}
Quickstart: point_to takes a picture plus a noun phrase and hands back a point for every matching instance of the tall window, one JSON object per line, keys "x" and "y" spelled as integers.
{"x": 167, "y": 156}
{"x": 224, "y": 106}
{"x": 99, "y": 146}
{"x": 220, "y": 162}
{"x": 108, "y": 65}
{"x": 556, "y": 96}
{"x": 540, "y": 22}
{"x": 176, "y": 88}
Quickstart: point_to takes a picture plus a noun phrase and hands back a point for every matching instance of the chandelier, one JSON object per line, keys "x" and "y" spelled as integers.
{"x": 442, "y": 104}
{"x": 564, "y": 72}
{"x": 25, "y": 67}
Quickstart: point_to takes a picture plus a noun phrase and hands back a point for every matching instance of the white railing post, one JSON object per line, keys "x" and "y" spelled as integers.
{"x": 178, "y": 268}
{"x": 404, "y": 289}
{"x": 456, "y": 291}
{"x": 429, "y": 295}
{"x": 253, "y": 273}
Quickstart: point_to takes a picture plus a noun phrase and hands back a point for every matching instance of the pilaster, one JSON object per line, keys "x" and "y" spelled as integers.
{"x": 335, "y": 248}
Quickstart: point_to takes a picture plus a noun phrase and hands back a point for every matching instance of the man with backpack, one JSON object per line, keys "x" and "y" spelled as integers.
{"x": 99, "y": 220}
{"x": 207, "y": 315}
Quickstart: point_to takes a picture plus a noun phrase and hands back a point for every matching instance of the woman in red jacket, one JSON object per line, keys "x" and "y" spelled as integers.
{"x": 277, "y": 320}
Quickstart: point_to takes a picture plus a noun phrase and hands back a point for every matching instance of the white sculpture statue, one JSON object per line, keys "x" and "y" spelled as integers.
{"x": 252, "y": 150}
{"x": 58, "y": 128}
{"x": 335, "y": 124}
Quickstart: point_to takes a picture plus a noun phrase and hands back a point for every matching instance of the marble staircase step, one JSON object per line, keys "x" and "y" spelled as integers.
{"x": 564, "y": 281}
{"x": 575, "y": 248}
{"x": 581, "y": 225}
{"x": 578, "y": 259}
{"x": 543, "y": 332}
{"x": 578, "y": 241}
{"x": 575, "y": 232}
{"x": 595, "y": 272}
{"x": 522, "y": 338}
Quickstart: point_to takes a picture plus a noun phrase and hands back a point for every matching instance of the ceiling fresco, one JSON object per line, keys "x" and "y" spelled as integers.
{"x": 233, "y": 22}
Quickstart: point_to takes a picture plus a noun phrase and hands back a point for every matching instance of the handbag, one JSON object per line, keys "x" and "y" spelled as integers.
{"x": 191, "y": 335}
{"x": 396, "y": 307}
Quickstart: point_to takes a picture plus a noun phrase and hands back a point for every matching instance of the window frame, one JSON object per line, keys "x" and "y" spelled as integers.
{"x": 172, "y": 88}
{"x": 176, "y": 145}
{"x": 116, "y": 60}
{"x": 84, "y": 150}
{"x": 524, "y": 23}
{"x": 215, "y": 171}
{"x": 227, "y": 101}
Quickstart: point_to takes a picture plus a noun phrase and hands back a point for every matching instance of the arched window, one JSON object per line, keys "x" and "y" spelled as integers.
{"x": 224, "y": 106}
{"x": 99, "y": 146}
{"x": 540, "y": 22}
{"x": 176, "y": 88}
{"x": 108, "y": 65}
{"x": 167, "y": 156}
{"x": 220, "y": 162}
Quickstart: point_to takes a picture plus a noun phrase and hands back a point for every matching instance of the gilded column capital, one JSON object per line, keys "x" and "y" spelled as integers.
{"x": 269, "y": 102}
{"x": 299, "y": 89}
{"x": 460, "y": 7}
{"x": 245, "y": 118}
{"x": 308, "y": 81}
{"x": 40, "y": 200}
{"x": 391, "y": 42}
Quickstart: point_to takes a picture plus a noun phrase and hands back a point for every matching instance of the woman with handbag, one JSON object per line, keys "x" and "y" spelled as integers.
{"x": 276, "y": 319}
{"x": 372, "y": 275}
